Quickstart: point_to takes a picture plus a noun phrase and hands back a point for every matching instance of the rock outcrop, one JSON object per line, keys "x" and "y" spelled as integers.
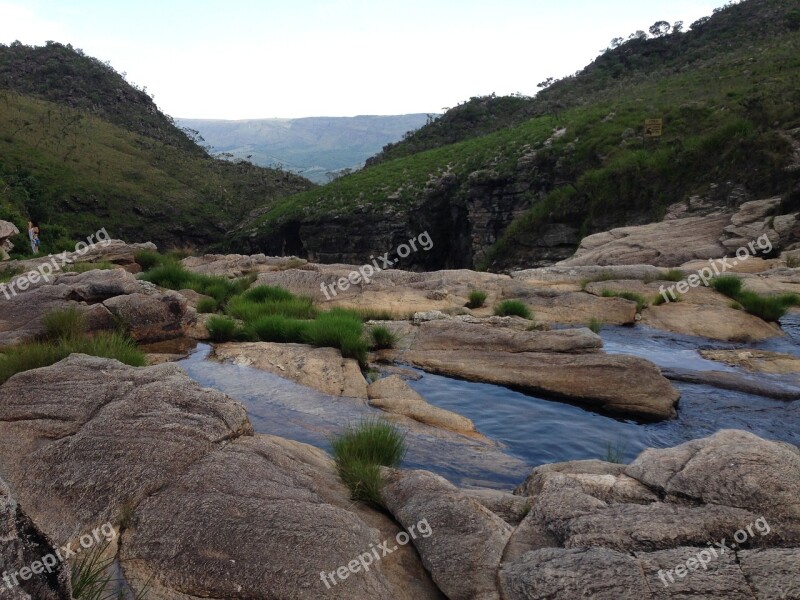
{"x": 108, "y": 298}
{"x": 323, "y": 369}
{"x": 394, "y": 395}
{"x": 559, "y": 364}
{"x": 21, "y": 546}
{"x": 210, "y": 510}
{"x": 673, "y": 242}
{"x": 711, "y": 519}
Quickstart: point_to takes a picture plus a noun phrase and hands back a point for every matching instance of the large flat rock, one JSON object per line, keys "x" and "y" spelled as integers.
{"x": 612, "y": 383}
{"x": 323, "y": 369}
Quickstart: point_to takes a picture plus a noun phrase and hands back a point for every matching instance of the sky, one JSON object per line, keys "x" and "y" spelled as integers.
{"x": 243, "y": 59}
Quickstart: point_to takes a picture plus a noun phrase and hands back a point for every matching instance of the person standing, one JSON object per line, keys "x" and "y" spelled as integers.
{"x": 33, "y": 236}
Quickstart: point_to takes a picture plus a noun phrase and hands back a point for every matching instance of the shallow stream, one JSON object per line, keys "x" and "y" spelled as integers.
{"x": 527, "y": 431}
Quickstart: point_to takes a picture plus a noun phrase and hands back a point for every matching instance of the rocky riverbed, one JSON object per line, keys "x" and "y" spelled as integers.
{"x": 215, "y": 472}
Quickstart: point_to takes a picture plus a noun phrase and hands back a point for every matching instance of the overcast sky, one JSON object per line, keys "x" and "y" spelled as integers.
{"x": 243, "y": 59}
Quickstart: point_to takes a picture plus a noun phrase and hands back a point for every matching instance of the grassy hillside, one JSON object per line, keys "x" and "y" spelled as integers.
{"x": 729, "y": 94}
{"x": 119, "y": 164}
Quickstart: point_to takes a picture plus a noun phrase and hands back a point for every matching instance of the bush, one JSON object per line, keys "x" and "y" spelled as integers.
{"x": 109, "y": 345}
{"x": 222, "y": 329}
{"x": 207, "y": 305}
{"x": 383, "y": 338}
{"x": 477, "y": 298}
{"x": 641, "y": 303}
{"x": 672, "y": 275}
{"x": 69, "y": 323}
{"x": 147, "y": 259}
{"x": 729, "y": 285}
{"x": 513, "y": 308}
{"x": 360, "y": 452}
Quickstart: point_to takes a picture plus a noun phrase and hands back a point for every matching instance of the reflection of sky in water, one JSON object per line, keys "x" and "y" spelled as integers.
{"x": 532, "y": 430}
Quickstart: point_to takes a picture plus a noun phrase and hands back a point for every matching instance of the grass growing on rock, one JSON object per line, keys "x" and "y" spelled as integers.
{"x": 172, "y": 275}
{"x": 477, "y": 298}
{"x": 728, "y": 285}
{"x": 515, "y": 308}
{"x": 383, "y": 338}
{"x": 641, "y": 302}
{"x": 207, "y": 305}
{"x": 271, "y": 314}
{"x": 65, "y": 334}
{"x": 768, "y": 308}
{"x": 359, "y": 453}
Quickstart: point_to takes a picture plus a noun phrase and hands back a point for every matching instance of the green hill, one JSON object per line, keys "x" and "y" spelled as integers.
{"x": 503, "y": 182}
{"x": 80, "y": 149}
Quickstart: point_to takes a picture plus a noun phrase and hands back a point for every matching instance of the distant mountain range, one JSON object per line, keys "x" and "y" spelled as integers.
{"x": 313, "y": 147}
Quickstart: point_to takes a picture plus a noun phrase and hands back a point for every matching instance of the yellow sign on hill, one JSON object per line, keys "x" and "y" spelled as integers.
{"x": 653, "y": 128}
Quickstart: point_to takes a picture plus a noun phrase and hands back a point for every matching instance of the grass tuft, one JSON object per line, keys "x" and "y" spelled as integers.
{"x": 148, "y": 259}
{"x": 641, "y": 302}
{"x": 728, "y": 285}
{"x": 513, "y": 308}
{"x": 69, "y": 323}
{"x": 477, "y": 298}
{"x": 361, "y": 450}
{"x": 768, "y": 308}
{"x": 207, "y": 305}
{"x": 35, "y": 355}
{"x": 383, "y": 338}
{"x": 596, "y": 325}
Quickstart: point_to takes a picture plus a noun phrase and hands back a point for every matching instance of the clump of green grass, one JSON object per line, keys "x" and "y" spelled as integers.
{"x": 69, "y": 323}
{"x": 768, "y": 308}
{"x": 207, "y": 305}
{"x": 172, "y": 275}
{"x": 340, "y": 329}
{"x": 596, "y": 325}
{"x": 728, "y": 285}
{"x": 280, "y": 329}
{"x": 383, "y": 338}
{"x": 92, "y": 580}
{"x": 659, "y": 299}
{"x": 148, "y": 259}
{"x": 35, "y": 355}
{"x": 8, "y": 273}
{"x": 359, "y": 453}
{"x": 641, "y": 302}
{"x": 83, "y": 267}
{"x": 250, "y": 310}
{"x": 513, "y": 308}
{"x": 477, "y": 298}
{"x": 222, "y": 329}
